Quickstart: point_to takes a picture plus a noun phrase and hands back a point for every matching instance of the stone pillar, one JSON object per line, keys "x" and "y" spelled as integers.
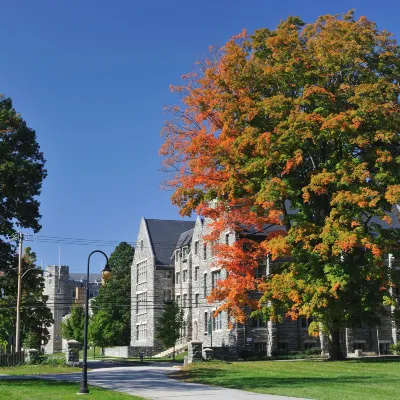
{"x": 349, "y": 341}
{"x": 323, "y": 338}
{"x": 208, "y": 354}
{"x": 72, "y": 354}
{"x": 31, "y": 355}
{"x": 272, "y": 345}
{"x": 195, "y": 349}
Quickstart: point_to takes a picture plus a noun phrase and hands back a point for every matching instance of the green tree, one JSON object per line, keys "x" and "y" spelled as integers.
{"x": 103, "y": 330}
{"x": 72, "y": 327}
{"x": 114, "y": 295}
{"x": 296, "y": 128}
{"x": 36, "y": 317}
{"x": 170, "y": 325}
{"x": 21, "y": 174}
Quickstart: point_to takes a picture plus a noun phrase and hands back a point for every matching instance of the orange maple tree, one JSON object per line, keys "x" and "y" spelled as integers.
{"x": 296, "y": 128}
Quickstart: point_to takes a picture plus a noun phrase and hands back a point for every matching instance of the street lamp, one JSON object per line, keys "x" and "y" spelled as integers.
{"x": 106, "y": 275}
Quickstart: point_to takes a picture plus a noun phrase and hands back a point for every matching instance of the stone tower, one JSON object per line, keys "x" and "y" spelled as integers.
{"x": 60, "y": 290}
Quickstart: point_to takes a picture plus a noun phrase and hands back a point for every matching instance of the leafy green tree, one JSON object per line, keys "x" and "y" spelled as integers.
{"x": 114, "y": 295}
{"x": 103, "y": 330}
{"x": 21, "y": 174}
{"x": 72, "y": 328}
{"x": 36, "y": 317}
{"x": 170, "y": 325}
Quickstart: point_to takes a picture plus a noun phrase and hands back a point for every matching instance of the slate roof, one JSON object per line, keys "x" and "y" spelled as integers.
{"x": 164, "y": 235}
{"x": 79, "y": 277}
{"x": 184, "y": 239}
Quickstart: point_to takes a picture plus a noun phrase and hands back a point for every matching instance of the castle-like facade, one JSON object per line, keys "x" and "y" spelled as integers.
{"x": 64, "y": 289}
{"x": 173, "y": 260}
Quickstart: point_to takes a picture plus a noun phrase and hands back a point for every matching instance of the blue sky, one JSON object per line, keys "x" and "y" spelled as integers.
{"x": 92, "y": 76}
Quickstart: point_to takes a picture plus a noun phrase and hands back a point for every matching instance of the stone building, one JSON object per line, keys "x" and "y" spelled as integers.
{"x": 152, "y": 277}
{"x": 173, "y": 259}
{"x": 63, "y": 290}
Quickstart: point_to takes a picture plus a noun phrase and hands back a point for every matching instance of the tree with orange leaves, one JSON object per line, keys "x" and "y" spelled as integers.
{"x": 296, "y": 128}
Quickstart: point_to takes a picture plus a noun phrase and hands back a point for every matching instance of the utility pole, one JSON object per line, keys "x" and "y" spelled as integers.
{"x": 18, "y": 319}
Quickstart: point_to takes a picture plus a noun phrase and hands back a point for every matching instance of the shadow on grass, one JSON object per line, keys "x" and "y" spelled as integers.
{"x": 380, "y": 360}
{"x": 37, "y": 383}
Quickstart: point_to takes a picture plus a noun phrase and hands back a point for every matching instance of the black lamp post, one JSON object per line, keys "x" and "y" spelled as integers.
{"x": 106, "y": 275}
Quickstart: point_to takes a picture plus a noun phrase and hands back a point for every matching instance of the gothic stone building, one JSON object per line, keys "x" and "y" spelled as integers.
{"x": 63, "y": 290}
{"x": 172, "y": 259}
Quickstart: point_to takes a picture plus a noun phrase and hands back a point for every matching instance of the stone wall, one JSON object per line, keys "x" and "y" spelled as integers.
{"x": 128, "y": 351}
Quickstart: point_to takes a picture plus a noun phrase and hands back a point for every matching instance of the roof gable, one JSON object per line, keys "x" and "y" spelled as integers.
{"x": 164, "y": 235}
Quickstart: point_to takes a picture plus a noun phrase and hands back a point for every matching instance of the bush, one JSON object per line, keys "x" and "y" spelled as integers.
{"x": 395, "y": 348}
{"x": 314, "y": 351}
{"x": 45, "y": 360}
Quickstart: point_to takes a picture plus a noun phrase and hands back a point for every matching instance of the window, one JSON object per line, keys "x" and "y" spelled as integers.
{"x": 184, "y": 253}
{"x": 141, "y": 272}
{"x": 205, "y": 285}
{"x": 217, "y": 322}
{"x": 283, "y": 347}
{"x": 196, "y": 273}
{"x": 59, "y": 291}
{"x": 359, "y": 346}
{"x": 205, "y": 251}
{"x": 310, "y": 345}
{"x": 178, "y": 300}
{"x": 261, "y": 272}
{"x": 227, "y": 238}
{"x": 184, "y": 300}
{"x": 90, "y": 294}
{"x": 196, "y": 247}
{"x": 260, "y": 346}
{"x": 141, "y": 332}
{"x": 184, "y": 275}
{"x": 196, "y": 300}
{"x": 176, "y": 255}
{"x": 178, "y": 277}
{"x": 205, "y": 323}
{"x": 305, "y": 322}
{"x": 215, "y": 276}
{"x": 141, "y": 300}
{"x": 167, "y": 295}
{"x": 167, "y": 274}
{"x": 384, "y": 348}
{"x": 141, "y": 245}
{"x": 259, "y": 323}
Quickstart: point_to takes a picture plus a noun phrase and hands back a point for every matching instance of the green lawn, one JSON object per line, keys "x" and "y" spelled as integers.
{"x": 369, "y": 379}
{"x": 54, "y": 390}
{"x": 38, "y": 370}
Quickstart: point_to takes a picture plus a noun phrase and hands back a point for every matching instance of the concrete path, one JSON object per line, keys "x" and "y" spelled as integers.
{"x": 152, "y": 382}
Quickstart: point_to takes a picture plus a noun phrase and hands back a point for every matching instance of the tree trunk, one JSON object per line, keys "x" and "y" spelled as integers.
{"x": 335, "y": 352}
{"x": 173, "y": 354}
{"x": 94, "y": 351}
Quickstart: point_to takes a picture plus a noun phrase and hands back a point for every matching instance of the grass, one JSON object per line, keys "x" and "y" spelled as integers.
{"x": 353, "y": 379}
{"x": 38, "y": 370}
{"x": 54, "y": 390}
{"x": 91, "y": 353}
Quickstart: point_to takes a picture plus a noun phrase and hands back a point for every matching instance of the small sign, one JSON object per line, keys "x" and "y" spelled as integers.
{"x": 249, "y": 339}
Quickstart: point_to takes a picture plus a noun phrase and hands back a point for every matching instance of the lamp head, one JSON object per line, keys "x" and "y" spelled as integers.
{"x": 106, "y": 273}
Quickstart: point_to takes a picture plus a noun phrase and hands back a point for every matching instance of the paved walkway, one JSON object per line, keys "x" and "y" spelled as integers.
{"x": 152, "y": 382}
